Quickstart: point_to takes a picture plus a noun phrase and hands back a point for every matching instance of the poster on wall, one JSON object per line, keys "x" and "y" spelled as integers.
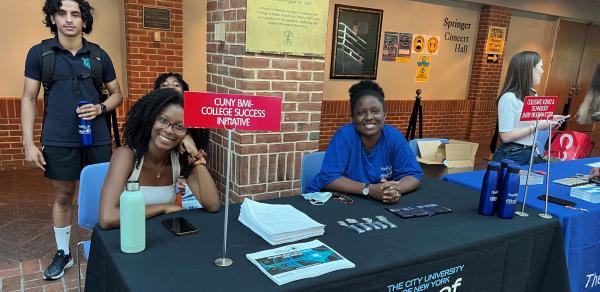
{"x": 423, "y": 65}
{"x": 390, "y": 46}
{"x": 495, "y": 40}
{"x": 418, "y": 43}
{"x": 355, "y": 48}
{"x": 433, "y": 44}
{"x": 295, "y": 27}
{"x": 404, "y": 47}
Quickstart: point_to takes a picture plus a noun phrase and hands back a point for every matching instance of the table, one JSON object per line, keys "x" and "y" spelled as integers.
{"x": 581, "y": 230}
{"x": 462, "y": 250}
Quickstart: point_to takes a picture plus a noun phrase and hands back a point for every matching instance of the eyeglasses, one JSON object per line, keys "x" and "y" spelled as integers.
{"x": 343, "y": 198}
{"x": 164, "y": 123}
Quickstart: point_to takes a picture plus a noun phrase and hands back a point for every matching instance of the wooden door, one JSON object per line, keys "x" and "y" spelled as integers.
{"x": 589, "y": 61}
{"x": 564, "y": 68}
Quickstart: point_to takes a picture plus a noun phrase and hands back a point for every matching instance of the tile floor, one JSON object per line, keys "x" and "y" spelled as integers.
{"x": 26, "y": 236}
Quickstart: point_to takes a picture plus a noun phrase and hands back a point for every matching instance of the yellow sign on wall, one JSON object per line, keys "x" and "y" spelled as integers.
{"x": 418, "y": 44}
{"x": 423, "y": 64}
{"x": 495, "y": 40}
{"x": 295, "y": 27}
{"x": 433, "y": 44}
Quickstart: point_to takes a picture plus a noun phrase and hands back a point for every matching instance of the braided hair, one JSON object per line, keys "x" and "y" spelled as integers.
{"x": 142, "y": 116}
{"x": 363, "y": 88}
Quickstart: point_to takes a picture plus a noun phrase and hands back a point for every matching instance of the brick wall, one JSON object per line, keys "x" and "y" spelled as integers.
{"x": 264, "y": 165}
{"x": 146, "y": 59}
{"x": 11, "y": 147}
{"x": 485, "y": 77}
{"x": 441, "y": 118}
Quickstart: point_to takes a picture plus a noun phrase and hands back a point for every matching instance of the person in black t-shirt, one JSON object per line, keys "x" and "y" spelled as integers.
{"x": 63, "y": 156}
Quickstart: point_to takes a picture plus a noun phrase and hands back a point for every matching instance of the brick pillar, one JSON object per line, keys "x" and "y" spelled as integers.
{"x": 485, "y": 78}
{"x": 146, "y": 59}
{"x": 264, "y": 164}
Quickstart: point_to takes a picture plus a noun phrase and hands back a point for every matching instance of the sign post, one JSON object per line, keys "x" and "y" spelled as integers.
{"x": 231, "y": 112}
{"x": 537, "y": 108}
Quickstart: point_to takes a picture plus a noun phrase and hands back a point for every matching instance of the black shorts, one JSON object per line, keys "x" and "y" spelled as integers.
{"x": 66, "y": 163}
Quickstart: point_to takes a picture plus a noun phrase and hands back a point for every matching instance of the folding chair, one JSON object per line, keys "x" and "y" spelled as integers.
{"x": 311, "y": 166}
{"x": 90, "y": 185}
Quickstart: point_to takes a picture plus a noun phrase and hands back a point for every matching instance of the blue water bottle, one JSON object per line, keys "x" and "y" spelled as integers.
{"x": 507, "y": 202}
{"x": 489, "y": 189}
{"x": 85, "y": 128}
{"x": 502, "y": 173}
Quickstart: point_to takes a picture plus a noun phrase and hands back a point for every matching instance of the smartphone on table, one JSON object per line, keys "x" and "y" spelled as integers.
{"x": 180, "y": 226}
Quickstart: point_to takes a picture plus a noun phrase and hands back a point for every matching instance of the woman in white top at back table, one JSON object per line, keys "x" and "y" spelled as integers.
{"x": 524, "y": 72}
{"x": 589, "y": 111}
{"x": 153, "y": 131}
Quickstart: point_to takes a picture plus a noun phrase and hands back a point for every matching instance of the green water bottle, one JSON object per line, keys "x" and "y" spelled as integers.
{"x": 133, "y": 219}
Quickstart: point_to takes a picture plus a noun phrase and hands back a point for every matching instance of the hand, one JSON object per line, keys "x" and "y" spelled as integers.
{"x": 559, "y": 120}
{"x": 386, "y": 191}
{"x": 89, "y": 111}
{"x": 170, "y": 208}
{"x": 34, "y": 156}
{"x": 594, "y": 173}
{"x": 188, "y": 145}
{"x": 544, "y": 124}
{"x": 181, "y": 184}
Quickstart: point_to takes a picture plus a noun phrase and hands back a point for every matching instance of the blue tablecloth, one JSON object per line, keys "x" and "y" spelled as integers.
{"x": 581, "y": 229}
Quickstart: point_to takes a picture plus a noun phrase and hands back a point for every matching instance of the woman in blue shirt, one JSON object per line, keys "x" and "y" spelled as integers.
{"x": 368, "y": 157}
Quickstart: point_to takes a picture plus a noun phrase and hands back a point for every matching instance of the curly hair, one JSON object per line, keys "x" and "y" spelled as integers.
{"x": 364, "y": 88}
{"x": 53, "y": 6}
{"x": 163, "y": 77}
{"x": 201, "y": 137}
{"x": 142, "y": 116}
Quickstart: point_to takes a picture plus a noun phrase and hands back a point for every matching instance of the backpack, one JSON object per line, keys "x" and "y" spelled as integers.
{"x": 48, "y": 78}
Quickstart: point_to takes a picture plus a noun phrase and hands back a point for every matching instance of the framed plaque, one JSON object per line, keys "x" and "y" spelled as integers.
{"x": 156, "y": 18}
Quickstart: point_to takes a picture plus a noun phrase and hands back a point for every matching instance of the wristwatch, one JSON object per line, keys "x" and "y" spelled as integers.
{"x": 102, "y": 108}
{"x": 366, "y": 190}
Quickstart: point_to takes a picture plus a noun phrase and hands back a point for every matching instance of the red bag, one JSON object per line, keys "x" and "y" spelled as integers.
{"x": 570, "y": 145}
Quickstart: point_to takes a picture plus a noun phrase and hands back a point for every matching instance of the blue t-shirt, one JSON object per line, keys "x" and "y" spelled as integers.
{"x": 60, "y": 125}
{"x": 390, "y": 159}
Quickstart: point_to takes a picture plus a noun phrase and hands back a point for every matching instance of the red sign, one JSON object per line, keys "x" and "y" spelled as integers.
{"x": 538, "y": 108}
{"x": 232, "y": 111}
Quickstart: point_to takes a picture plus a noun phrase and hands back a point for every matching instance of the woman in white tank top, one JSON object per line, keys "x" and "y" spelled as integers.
{"x": 153, "y": 131}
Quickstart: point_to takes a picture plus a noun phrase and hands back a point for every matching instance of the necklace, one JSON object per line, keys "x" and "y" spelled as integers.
{"x": 161, "y": 168}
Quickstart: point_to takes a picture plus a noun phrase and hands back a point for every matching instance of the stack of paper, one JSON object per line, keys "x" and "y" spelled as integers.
{"x": 298, "y": 261}
{"x": 534, "y": 178}
{"x": 590, "y": 193}
{"x": 278, "y": 223}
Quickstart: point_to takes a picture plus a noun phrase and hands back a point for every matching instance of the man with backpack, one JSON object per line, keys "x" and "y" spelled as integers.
{"x": 66, "y": 66}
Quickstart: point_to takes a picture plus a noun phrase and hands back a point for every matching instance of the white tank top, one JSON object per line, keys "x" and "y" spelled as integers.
{"x": 155, "y": 195}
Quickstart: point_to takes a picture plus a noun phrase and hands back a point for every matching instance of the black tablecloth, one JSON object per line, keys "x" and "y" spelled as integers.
{"x": 461, "y": 249}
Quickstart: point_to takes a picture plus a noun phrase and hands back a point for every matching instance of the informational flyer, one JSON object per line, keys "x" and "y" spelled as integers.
{"x": 433, "y": 44}
{"x": 423, "y": 65}
{"x": 495, "y": 40}
{"x": 390, "y": 48}
{"x": 298, "y": 261}
{"x": 404, "y": 47}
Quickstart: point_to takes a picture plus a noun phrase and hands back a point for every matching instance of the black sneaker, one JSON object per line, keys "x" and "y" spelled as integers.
{"x": 60, "y": 262}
